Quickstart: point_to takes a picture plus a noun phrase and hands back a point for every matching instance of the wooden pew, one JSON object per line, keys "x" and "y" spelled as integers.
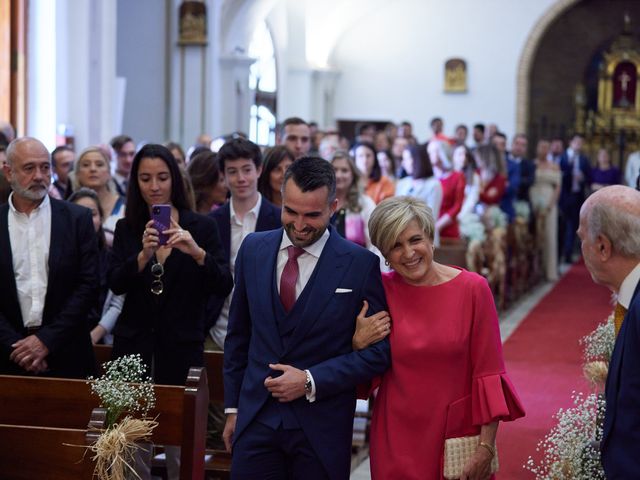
{"x": 218, "y": 464}
{"x": 63, "y": 403}
{"x": 30, "y": 452}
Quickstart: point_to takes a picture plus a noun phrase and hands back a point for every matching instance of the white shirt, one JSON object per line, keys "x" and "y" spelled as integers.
{"x": 628, "y": 287}
{"x": 30, "y": 238}
{"x": 306, "y": 262}
{"x": 239, "y": 231}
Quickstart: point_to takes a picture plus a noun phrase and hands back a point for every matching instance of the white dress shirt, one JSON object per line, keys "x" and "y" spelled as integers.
{"x": 628, "y": 287}
{"x": 239, "y": 230}
{"x": 306, "y": 262}
{"x": 30, "y": 238}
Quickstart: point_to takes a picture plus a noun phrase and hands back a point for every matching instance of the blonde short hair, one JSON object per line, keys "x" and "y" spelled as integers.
{"x": 393, "y": 215}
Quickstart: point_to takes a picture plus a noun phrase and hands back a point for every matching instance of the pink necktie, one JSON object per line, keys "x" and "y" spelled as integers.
{"x": 289, "y": 278}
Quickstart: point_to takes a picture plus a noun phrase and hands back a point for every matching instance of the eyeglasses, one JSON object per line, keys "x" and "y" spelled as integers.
{"x": 157, "y": 270}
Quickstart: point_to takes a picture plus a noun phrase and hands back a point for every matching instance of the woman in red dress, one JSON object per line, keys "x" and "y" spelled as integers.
{"x": 447, "y": 377}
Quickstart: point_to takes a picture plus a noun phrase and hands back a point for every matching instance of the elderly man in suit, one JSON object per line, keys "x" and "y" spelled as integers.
{"x": 290, "y": 372}
{"x": 48, "y": 269}
{"x": 610, "y": 234}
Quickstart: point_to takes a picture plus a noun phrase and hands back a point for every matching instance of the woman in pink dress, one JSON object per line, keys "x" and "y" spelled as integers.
{"x": 447, "y": 377}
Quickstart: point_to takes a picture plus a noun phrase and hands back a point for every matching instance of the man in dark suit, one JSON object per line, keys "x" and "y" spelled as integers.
{"x": 521, "y": 174}
{"x": 48, "y": 267}
{"x": 240, "y": 161}
{"x": 576, "y": 178}
{"x": 610, "y": 234}
{"x": 290, "y": 372}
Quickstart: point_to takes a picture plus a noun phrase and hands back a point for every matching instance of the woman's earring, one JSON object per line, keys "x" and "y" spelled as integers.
{"x": 386, "y": 262}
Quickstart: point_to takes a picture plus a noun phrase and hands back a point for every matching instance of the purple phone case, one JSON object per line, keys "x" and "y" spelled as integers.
{"x": 161, "y": 215}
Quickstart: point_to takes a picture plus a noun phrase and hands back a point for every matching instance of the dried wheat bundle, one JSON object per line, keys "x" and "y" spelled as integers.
{"x": 115, "y": 449}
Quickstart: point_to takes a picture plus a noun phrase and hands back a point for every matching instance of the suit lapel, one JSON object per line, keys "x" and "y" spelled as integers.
{"x": 58, "y": 231}
{"x": 6, "y": 259}
{"x": 613, "y": 377}
{"x": 225, "y": 229}
{"x": 331, "y": 268}
{"x": 263, "y": 269}
{"x": 264, "y": 216}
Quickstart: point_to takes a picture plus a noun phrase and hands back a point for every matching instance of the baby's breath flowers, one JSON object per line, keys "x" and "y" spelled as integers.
{"x": 124, "y": 388}
{"x": 598, "y": 345}
{"x": 571, "y": 449}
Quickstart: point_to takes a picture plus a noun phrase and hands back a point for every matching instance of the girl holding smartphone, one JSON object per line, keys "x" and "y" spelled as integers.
{"x": 167, "y": 280}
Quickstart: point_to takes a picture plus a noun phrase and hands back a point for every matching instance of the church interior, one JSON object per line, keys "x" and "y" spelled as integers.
{"x": 199, "y": 73}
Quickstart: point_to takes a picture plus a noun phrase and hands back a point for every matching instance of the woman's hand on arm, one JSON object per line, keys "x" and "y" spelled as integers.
{"x": 370, "y": 330}
{"x": 479, "y": 467}
{"x": 183, "y": 241}
{"x": 150, "y": 243}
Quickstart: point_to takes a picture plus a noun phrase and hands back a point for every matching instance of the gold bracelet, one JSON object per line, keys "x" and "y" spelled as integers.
{"x": 491, "y": 449}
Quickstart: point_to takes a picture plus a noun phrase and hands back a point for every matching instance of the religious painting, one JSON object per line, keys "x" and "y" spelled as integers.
{"x": 625, "y": 80}
{"x": 193, "y": 23}
{"x": 455, "y": 76}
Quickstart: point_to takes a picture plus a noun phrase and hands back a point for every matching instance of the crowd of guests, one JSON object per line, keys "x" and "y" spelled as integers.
{"x": 109, "y": 272}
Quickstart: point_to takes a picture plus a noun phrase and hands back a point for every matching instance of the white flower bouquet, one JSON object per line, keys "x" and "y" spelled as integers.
{"x": 124, "y": 389}
{"x": 571, "y": 449}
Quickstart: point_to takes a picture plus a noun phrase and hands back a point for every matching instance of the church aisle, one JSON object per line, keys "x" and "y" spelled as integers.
{"x": 544, "y": 361}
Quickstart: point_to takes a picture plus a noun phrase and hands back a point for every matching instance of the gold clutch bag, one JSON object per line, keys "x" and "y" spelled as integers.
{"x": 457, "y": 453}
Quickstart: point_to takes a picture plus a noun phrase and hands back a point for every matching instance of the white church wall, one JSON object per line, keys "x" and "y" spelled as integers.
{"x": 141, "y": 60}
{"x": 392, "y": 61}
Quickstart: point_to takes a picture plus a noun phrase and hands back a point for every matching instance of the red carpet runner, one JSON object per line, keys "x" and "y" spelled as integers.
{"x": 544, "y": 361}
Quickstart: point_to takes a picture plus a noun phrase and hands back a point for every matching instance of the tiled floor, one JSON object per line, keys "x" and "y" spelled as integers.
{"x": 509, "y": 321}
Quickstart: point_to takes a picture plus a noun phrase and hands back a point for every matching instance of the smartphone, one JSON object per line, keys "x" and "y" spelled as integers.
{"x": 161, "y": 216}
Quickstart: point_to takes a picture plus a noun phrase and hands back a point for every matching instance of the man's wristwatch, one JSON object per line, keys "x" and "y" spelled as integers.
{"x": 308, "y": 385}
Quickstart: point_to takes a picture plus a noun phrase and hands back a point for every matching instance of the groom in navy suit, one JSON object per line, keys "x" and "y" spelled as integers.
{"x": 610, "y": 234}
{"x": 290, "y": 372}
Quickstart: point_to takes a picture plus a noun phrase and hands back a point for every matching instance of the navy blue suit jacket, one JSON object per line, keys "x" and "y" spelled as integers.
{"x": 268, "y": 219}
{"x": 567, "y": 179}
{"x": 72, "y": 291}
{"x": 621, "y": 437}
{"x": 320, "y": 343}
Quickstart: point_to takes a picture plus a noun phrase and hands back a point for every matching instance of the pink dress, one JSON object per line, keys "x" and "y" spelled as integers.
{"x": 447, "y": 375}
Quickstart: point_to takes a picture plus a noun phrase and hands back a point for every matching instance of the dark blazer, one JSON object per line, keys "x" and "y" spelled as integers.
{"x": 321, "y": 342}
{"x": 521, "y": 176}
{"x": 166, "y": 328}
{"x": 566, "y": 195}
{"x": 71, "y": 293}
{"x": 621, "y": 436}
{"x": 268, "y": 219}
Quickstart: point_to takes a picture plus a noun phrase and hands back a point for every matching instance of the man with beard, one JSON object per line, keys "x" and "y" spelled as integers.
{"x": 48, "y": 269}
{"x": 290, "y": 372}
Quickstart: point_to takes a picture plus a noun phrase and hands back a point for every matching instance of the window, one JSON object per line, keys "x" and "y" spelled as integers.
{"x": 263, "y": 82}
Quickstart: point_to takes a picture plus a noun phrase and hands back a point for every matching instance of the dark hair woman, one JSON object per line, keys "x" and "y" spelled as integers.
{"x": 167, "y": 286}
{"x": 377, "y": 186}
{"x": 274, "y": 164}
{"x": 209, "y": 188}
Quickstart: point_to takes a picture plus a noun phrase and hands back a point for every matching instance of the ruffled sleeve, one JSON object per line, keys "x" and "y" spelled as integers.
{"x": 493, "y": 396}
